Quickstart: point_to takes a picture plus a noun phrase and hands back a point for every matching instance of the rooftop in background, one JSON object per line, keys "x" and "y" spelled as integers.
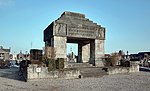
{"x": 5, "y": 50}
{"x": 140, "y": 54}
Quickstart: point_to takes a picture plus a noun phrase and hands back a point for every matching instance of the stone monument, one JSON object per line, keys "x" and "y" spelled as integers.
{"x": 73, "y": 27}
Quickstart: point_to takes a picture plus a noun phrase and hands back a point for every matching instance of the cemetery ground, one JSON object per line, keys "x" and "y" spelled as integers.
{"x": 140, "y": 81}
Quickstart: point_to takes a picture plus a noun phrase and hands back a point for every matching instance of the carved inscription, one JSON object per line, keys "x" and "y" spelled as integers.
{"x": 81, "y": 31}
{"x": 82, "y": 26}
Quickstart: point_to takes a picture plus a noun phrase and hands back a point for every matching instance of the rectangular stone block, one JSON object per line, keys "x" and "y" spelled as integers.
{"x": 86, "y": 53}
{"x": 60, "y": 46}
{"x": 99, "y": 52}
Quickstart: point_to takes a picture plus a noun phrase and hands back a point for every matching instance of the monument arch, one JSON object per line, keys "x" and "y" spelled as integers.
{"x": 74, "y": 27}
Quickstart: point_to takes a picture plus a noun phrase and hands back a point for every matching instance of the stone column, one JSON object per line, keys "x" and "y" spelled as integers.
{"x": 79, "y": 53}
{"x": 60, "y": 47}
{"x": 99, "y": 52}
{"x": 92, "y": 52}
{"x": 86, "y": 53}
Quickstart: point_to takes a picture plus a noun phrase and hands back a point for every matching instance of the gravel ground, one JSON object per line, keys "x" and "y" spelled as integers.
{"x": 121, "y": 82}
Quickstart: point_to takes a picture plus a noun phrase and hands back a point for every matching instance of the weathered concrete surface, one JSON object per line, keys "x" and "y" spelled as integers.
{"x": 86, "y": 53}
{"x": 79, "y": 53}
{"x": 75, "y": 28}
{"x": 60, "y": 47}
{"x": 75, "y": 70}
{"x": 92, "y": 72}
{"x": 34, "y": 73}
{"x": 70, "y": 24}
{"x": 122, "y": 70}
{"x": 99, "y": 52}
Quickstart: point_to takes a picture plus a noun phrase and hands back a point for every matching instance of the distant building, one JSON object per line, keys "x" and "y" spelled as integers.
{"x": 36, "y": 54}
{"x": 20, "y": 56}
{"x": 140, "y": 55}
{"x": 134, "y": 56}
{"x": 4, "y": 54}
{"x": 107, "y": 56}
{"x": 13, "y": 56}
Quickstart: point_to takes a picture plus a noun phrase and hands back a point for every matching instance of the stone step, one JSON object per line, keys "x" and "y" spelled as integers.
{"x": 77, "y": 20}
{"x": 78, "y": 65}
{"x": 92, "y": 72}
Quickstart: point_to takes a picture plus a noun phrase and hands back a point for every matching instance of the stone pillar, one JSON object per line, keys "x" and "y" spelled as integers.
{"x": 79, "y": 53}
{"x": 86, "y": 53}
{"x": 60, "y": 47}
{"x": 99, "y": 52}
{"x": 92, "y": 52}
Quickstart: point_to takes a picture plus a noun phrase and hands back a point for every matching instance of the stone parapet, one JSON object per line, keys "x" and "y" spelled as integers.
{"x": 77, "y": 65}
{"x": 35, "y": 72}
{"x": 117, "y": 70}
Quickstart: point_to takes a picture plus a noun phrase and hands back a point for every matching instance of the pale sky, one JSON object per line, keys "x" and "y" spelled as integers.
{"x": 127, "y": 22}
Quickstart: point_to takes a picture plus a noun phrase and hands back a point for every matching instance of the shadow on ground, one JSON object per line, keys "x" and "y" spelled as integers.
{"x": 11, "y": 73}
{"x": 145, "y": 69}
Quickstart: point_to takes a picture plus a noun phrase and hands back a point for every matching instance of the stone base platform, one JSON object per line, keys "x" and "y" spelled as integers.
{"x": 122, "y": 70}
{"x": 77, "y": 65}
{"x": 92, "y": 72}
{"x": 35, "y": 72}
{"x": 79, "y": 71}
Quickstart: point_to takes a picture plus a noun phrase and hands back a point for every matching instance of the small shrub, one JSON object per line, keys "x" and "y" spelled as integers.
{"x": 60, "y": 63}
{"x": 126, "y": 64}
{"x": 107, "y": 62}
{"x": 114, "y": 59}
{"x": 51, "y": 64}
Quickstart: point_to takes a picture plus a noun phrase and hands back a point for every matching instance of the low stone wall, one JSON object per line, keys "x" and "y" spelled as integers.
{"x": 116, "y": 70}
{"x": 77, "y": 65}
{"x": 35, "y": 72}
